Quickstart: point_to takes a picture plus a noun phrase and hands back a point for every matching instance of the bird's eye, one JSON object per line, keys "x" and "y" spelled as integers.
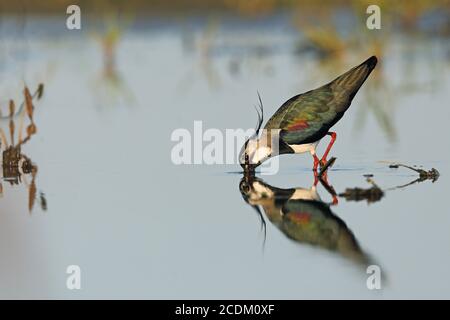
{"x": 245, "y": 188}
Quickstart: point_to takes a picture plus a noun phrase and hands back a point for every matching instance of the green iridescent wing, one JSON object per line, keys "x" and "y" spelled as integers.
{"x": 305, "y": 116}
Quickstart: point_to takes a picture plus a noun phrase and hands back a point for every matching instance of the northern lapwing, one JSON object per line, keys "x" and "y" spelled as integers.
{"x": 303, "y": 120}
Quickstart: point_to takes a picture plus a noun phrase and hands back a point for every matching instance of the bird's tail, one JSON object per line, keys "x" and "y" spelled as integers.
{"x": 349, "y": 83}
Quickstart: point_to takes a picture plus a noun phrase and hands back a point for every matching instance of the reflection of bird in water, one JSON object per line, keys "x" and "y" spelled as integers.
{"x": 302, "y": 121}
{"x": 15, "y": 165}
{"x": 303, "y": 217}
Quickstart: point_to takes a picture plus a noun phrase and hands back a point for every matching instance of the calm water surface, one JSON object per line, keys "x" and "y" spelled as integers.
{"x": 142, "y": 227}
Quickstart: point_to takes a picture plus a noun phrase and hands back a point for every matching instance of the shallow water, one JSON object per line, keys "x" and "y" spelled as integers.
{"x": 141, "y": 227}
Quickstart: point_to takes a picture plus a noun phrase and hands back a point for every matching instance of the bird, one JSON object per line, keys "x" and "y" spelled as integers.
{"x": 302, "y": 216}
{"x": 303, "y": 120}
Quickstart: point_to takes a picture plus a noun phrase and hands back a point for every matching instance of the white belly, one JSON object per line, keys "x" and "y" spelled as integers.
{"x": 305, "y": 194}
{"x": 302, "y": 148}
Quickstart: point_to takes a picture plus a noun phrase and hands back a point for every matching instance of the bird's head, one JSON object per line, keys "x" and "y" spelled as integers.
{"x": 254, "y": 152}
{"x": 254, "y": 190}
{"x": 257, "y": 148}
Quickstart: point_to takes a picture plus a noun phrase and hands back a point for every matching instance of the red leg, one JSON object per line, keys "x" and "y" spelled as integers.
{"x": 316, "y": 162}
{"x": 323, "y": 161}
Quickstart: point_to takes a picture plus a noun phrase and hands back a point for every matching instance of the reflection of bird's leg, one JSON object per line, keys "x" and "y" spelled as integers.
{"x": 324, "y": 180}
{"x": 325, "y": 155}
{"x": 316, "y": 178}
{"x": 316, "y": 161}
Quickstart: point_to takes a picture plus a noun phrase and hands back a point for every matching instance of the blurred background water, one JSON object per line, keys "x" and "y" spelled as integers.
{"x": 107, "y": 197}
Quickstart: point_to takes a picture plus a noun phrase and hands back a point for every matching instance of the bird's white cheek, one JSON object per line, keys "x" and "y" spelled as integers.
{"x": 260, "y": 155}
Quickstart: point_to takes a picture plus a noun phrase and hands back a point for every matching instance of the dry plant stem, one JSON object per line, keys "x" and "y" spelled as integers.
{"x": 328, "y": 187}
{"x": 38, "y": 93}
{"x": 3, "y": 138}
{"x": 431, "y": 174}
{"x": 326, "y": 166}
{"x": 12, "y": 154}
{"x": 29, "y": 103}
{"x": 21, "y": 123}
